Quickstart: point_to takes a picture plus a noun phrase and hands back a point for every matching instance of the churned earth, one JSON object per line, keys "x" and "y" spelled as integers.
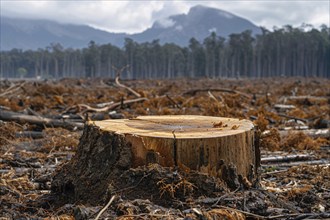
{"x": 41, "y": 123}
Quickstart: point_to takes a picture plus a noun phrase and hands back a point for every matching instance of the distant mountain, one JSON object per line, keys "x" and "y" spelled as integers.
{"x": 198, "y": 23}
{"x": 34, "y": 34}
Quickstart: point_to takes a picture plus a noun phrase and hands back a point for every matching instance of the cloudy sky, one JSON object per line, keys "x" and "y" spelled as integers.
{"x": 135, "y": 16}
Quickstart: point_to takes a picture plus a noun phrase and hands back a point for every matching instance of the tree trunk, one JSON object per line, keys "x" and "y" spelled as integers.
{"x": 221, "y": 147}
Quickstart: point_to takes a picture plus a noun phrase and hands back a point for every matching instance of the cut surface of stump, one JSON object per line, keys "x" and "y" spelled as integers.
{"x": 195, "y": 142}
{"x": 217, "y": 146}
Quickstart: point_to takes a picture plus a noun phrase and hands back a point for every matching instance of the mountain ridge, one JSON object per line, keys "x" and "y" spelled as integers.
{"x": 199, "y": 22}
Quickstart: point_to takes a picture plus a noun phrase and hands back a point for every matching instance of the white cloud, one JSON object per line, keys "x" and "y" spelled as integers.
{"x": 278, "y": 13}
{"x": 118, "y": 16}
{"x": 166, "y": 22}
{"x": 213, "y": 30}
{"x": 136, "y": 16}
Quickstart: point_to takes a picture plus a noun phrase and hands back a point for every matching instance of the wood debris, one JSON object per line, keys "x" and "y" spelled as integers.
{"x": 41, "y": 122}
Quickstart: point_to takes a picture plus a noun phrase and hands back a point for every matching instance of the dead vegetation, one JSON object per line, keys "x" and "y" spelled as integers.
{"x": 291, "y": 115}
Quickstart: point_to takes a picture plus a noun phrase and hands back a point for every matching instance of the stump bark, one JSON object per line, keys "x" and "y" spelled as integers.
{"x": 222, "y": 147}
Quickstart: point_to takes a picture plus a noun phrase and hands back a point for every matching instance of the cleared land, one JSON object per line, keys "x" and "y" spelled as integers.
{"x": 41, "y": 123}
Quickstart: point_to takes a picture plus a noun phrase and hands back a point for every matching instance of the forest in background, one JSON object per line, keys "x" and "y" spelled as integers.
{"x": 283, "y": 52}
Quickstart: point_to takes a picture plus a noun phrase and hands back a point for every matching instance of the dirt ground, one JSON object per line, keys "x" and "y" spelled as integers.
{"x": 292, "y": 117}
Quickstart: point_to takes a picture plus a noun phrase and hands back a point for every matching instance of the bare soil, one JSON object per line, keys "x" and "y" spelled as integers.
{"x": 294, "y": 177}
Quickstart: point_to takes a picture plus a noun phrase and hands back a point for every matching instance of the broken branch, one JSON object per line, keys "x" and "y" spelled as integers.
{"x": 105, "y": 207}
{"x": 109, "y": 107}
{"x": 118, "y": 73}
{"x": 38, "y": 120}
{"x": 174, "y": 102}
{"x": 12, "y": 89}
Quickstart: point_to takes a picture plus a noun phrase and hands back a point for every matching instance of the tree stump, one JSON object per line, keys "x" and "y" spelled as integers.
{"x": 221, "y": 147}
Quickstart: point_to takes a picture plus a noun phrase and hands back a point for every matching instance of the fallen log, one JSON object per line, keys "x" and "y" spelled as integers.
{"x": 294, "y": 118}
{"x": 194, "y": 91}
{"x": 314, "y": 133}
{"x": 308, "y": 99}
{"x": 282, "y": 107}
{"x": 220, "y": 147}
{"x": 38, "y": 120}
{"x": 287, "y": 158}
{"x": 285, "y": 165}
{"x": 29, "y": 134}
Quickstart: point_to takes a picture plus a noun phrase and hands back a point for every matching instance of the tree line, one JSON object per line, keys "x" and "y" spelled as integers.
{"x": 287, "y": 51}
